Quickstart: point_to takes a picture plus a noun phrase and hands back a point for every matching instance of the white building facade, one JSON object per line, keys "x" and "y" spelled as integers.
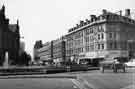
{"x": 108, "y": 35}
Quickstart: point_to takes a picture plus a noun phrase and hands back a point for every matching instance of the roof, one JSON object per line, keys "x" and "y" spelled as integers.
{"x": 104, "y": 19}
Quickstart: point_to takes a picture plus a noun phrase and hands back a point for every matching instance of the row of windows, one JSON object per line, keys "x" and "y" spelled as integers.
{"x": 78, "y": 35}
{"x": 101, "y": 46}
{"x": 44, "y": 54}
{"x": 73, "y": 51}
{"x": 110, "y": 45}
{"x": 57, "y": 51}
{"x": 57, "y": 48}
{"x": 101, "y": 36}
{"x": 89, "y": 48}
{"x": 112, "y": 35}
{"x": 92, "y": 37}
{"x": 94, "y": 29}
{"x": 57, "y": 55}
{"x": 70, "y": 38}
{"x": 113, "y": 45}
{"x": 78, "y": 42}
{"x": 75, "y": 42}
{"x": 117, "y": 45}
{"x": 45, "y": 50}
{"x": 89, "y": 39}
{"x": 78, "y": 50}
{"x": 69, "y": 44}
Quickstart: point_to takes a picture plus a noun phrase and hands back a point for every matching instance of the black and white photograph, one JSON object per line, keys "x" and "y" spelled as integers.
{"x": 67, "y": 44}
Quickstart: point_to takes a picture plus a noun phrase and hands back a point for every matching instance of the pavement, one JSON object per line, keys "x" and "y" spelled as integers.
{"x": 37, "y": 76}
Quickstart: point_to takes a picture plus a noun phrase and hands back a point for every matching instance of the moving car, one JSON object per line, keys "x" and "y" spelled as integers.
{"x": 130, "y": 63}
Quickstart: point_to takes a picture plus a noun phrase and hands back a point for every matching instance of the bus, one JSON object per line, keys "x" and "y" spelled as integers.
{"x": 90, "y": 61}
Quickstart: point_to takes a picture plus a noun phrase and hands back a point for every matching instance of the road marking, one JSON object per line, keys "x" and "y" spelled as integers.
{"x": 82, "y": 84}
{"x": 85, "y": 82}
{"x": 74, "y": 86}
{"x": 77, "y": 84}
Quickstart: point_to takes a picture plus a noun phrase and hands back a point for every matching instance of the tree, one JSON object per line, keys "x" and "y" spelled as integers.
{"x": 24, "y": 58}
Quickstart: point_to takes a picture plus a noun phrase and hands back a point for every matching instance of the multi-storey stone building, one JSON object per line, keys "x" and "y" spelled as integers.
{"x": 108, "y": 35}
{"x": 52, "y": 51}
{"x": 59, "y": 50}
{"x": 44, "y": 53}
{"x": 9, "y": 39}
{"x": 38, "y": 44}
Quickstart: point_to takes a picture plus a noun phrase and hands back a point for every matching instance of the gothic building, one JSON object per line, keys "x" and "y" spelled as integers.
{"x": 9, "y": 39}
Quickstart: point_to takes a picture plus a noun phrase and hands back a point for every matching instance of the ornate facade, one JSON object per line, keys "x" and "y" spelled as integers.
{"x": 108, "y": 35}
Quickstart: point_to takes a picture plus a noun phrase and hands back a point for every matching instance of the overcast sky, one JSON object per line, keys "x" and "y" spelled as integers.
{"x": 48, "y": 20}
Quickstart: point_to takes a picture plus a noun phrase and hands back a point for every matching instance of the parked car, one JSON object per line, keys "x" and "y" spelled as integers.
{"x": 130, "y": 63}
{"x": 112, "y": 65}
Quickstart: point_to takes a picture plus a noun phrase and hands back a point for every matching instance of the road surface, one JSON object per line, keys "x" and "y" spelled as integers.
{"x": 109, "y": 80}
{"x": 37, "y": 83}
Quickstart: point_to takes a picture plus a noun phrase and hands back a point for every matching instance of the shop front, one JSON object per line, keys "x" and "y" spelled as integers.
{"x": 115, "y": 54}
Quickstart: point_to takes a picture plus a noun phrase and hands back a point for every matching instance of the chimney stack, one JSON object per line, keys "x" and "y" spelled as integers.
{"x": 104, "y": 11}
{"x": 77, "y": 25}
{"x": 127, "y": 12}
{"x": 93, "y": 17}
{"x": 81, "y": 22}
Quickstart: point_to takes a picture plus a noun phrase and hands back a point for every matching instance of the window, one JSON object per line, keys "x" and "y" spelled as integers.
{"x": 87, "y": 48}
{"x": 102, "y": 46}
{"x": 111, "y": 45}
{"x": 110, "y": 35}
{"x": 100, "y": 28}
{"x": 115, "y": 45}
{"x": 91, "y": 30}
{"x": 114, "y": 35}
{"x": 87, "y": 32}
{"x": 98, "y": 46}
{"x": 87, "y": 39}
{"x": 99, "y": 36}
{"x": 81, "y": 49}
{"x": 102, "y": 35}
{"x": 92, "y": 47}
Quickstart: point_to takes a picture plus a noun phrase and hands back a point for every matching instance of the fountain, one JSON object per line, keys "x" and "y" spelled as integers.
{"x": 14, "y": 70}
{"x": 6, "y": 63}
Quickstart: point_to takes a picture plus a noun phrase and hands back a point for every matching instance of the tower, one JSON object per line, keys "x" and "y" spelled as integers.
{"x": 3, "y": 9}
